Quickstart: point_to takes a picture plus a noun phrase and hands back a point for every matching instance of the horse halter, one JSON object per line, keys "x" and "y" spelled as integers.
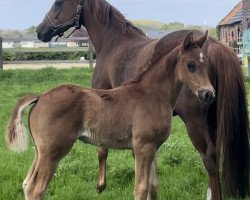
{"x": 75, "y": 20}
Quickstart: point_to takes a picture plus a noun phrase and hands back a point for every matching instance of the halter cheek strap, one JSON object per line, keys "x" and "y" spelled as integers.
{"x": 75, "y": 20}
{"x": 78, "y": 15}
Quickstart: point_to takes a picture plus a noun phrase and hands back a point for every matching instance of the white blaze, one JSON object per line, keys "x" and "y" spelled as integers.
{"x": 201, "y": 58}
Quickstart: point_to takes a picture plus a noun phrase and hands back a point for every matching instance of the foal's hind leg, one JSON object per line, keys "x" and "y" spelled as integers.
{"x": 43, "y": 169}
{"x": 42, "y": 174}
{"x": 32, "y": 168}
{"x": 195, "y": 118}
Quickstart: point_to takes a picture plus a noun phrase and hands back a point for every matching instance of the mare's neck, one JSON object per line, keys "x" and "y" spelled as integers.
{"x": 162, "y": 81}
{"x": 110, "y": 31}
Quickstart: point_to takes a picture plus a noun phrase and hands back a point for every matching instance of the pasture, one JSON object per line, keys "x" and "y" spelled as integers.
{"x": 180, "y": 170}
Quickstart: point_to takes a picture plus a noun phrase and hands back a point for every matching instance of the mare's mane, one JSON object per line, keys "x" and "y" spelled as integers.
{"x": 106, "y": 13}
{"x": 152, "y": 61}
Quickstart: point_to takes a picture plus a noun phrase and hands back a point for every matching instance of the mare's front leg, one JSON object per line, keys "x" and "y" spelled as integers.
{"x": 144, "y": 157}
{"x": 102, "y": 157}
{"x": 101, "y": 80}
{"x": 201, "y": 130}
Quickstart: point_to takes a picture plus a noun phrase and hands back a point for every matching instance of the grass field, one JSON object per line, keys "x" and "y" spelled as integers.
{"x": 180, "y": 170}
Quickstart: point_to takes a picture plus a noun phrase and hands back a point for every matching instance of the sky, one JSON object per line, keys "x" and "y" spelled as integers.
{"x": 21, "y": 14}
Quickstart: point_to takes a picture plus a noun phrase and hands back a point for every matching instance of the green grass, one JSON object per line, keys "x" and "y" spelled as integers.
{"x": 180, "y": 170}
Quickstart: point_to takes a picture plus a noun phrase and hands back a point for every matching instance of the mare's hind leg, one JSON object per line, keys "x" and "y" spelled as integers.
{"x": 102, "y": 157}
{"x": 195, "y": 117}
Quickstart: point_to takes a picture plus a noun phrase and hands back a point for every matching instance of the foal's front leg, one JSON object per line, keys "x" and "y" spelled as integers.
{"x": 153, "y": 182}
{"x": 144, "y": 157}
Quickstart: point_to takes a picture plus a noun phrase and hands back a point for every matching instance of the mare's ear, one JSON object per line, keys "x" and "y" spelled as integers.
{"x": 202, "y": 39}
{"x": 188, "y": 42}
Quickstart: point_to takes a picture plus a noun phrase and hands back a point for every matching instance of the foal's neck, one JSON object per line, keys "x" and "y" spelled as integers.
{"x": 106, "y": 25}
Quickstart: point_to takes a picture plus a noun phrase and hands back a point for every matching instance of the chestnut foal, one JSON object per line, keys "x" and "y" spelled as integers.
{"x": 134, "y": 116}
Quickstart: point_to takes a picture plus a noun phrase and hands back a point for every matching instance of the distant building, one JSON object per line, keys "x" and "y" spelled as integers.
{"x": 35, "y": 43}
{"x": 23, "y": 43}
{"x": 7, "y": 44}
{"x": 230, "y": 28}
{"x": 157, "y": 33}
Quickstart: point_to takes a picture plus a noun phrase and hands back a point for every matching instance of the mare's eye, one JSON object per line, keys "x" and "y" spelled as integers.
{"x": 191, "y": 66}
{"x": 58, "y": 2}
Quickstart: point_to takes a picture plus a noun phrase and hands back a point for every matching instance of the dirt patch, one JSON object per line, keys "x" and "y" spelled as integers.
{"x": 45, "y": 65}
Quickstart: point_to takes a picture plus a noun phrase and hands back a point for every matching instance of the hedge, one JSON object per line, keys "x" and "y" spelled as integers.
{"x": 23, "y": 56}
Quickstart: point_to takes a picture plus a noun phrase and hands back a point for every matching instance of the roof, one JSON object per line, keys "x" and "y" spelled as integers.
{"x": 234, "y": 16}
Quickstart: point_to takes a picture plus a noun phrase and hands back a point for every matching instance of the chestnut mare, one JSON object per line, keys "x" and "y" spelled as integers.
{"x": 136, "y": 115}
{"x": 219, "y": 132}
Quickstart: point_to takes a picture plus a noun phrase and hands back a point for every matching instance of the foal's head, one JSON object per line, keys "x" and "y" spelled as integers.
{"x": 63, "y": 15}
{"x": 192, "y": 68}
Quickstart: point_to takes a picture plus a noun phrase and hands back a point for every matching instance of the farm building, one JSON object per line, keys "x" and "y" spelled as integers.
{"x": 232, "y": 26}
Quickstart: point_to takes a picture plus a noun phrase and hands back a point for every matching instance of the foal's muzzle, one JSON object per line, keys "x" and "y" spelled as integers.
{"x": 206, "y": 96}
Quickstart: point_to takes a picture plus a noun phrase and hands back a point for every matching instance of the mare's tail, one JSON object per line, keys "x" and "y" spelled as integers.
{"x": 15, "y": 135}
{"x": 232, "y": 138}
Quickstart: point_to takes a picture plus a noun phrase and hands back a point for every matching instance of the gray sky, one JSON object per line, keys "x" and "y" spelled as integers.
{"x": 21, "y": 14}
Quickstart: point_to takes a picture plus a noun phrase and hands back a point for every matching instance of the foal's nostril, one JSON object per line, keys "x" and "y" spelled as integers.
{"x": 206, "y": 96}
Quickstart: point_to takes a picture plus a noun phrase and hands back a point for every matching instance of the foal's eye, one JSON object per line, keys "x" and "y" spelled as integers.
{"x": 191, "y": 66}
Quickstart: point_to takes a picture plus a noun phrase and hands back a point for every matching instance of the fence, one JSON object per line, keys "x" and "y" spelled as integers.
{"x": 28, "y": 45}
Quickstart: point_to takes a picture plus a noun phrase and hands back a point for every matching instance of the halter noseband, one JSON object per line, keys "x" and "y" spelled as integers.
{"x": 75, "y": 20}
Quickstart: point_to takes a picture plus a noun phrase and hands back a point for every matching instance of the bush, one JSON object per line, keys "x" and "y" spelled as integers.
{"x": 23, "y": 56}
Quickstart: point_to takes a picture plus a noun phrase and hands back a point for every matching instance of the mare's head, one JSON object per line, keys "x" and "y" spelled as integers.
{"x": 63, "y": 15}
{"x": 193, "y": 68}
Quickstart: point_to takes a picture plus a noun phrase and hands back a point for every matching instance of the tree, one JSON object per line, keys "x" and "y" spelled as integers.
{"x": 173, "y": 26}
{"x": 31, "y": 30}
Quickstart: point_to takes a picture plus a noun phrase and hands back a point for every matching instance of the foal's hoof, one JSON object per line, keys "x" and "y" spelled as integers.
{"x": 100, "y": 188}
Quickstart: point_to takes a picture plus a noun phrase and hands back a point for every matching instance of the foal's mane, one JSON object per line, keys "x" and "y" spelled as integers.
{"x": 106, "y": 13}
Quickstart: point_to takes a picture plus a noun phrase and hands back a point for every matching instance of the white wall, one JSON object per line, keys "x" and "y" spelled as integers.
{"x": 7, "y": 44}
{"x": 27, "y": 44}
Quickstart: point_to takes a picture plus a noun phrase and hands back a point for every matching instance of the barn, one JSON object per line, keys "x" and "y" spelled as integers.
{"x": 233, "y": 25}
{"x": 231, "y": 30}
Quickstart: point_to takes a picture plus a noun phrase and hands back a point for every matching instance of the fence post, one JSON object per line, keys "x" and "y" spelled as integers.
{"x": 91, "y": 50}
{"x": 1, "y": 53}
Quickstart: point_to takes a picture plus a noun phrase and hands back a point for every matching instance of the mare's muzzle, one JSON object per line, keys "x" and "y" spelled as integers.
{"x": 206, "y": 96}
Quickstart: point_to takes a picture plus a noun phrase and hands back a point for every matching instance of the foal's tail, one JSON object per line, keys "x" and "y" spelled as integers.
{"x": 16, "y": 135}
{"x": 232, "y": 139}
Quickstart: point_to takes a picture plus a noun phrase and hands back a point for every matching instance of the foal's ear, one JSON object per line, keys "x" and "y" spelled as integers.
{"x": 188, "y": 41}
{"x": 202, "y": 39}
